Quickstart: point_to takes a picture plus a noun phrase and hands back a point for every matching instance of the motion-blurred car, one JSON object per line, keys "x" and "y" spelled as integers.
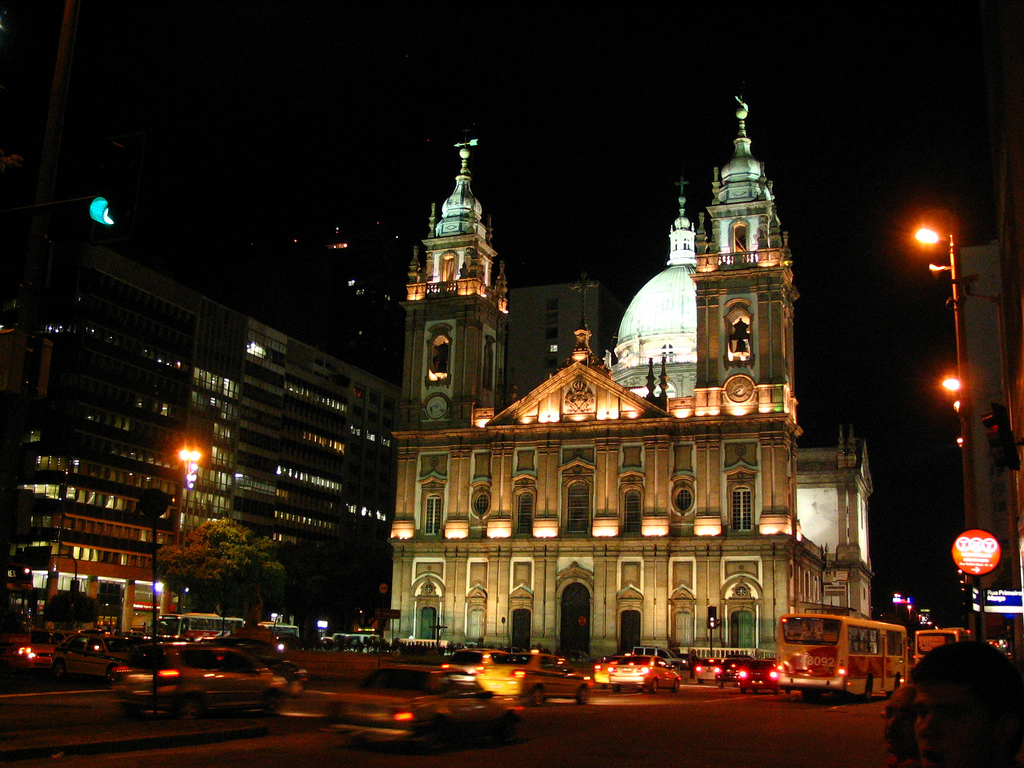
{"x": 534, "y": 677}
{"x": 194, "y": 678}
{"x": 32, "y": 651}
{"x": 428, "y": 707}
{"x": 600, "y": 673}
{"x": 92, "y": 653}
{"x": 758, "y": 674}
{"x": 472, "y": 661}
{"x": 649, "y": 673}
{"x": 295, "y": 676}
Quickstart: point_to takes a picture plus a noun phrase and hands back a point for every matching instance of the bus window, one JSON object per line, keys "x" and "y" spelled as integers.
{"x": 810, "y": 630}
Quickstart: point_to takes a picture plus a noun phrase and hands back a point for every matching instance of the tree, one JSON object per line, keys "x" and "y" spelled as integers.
{"x": 63, "y": 608}
{"x": 225, "y": 567}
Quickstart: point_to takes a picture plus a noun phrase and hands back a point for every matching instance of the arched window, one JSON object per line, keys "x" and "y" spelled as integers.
{"x": 742, "y": 509}
{"x": 632, "y": 503}
{"x": 739, "y": 339}
{"x": 524, "y": 513}
{"x": 432, "y": 515}
{"x": 448, "y": 273}
{"x": 440, "y": 350}
{"x": 740, "y": 241}
{"x": 578, "y": 508}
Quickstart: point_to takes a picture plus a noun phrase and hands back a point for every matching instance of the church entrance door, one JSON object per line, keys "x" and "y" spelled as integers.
{"x": 521, "y": 628}
{"x": 575, "y": 619}
{"x": 629, "y": 631}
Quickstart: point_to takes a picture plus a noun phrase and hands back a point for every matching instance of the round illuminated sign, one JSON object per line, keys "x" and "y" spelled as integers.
{"x": 976, "y": 552}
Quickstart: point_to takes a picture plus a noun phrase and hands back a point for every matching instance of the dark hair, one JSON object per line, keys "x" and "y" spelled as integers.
{"x": 986, "y": 673}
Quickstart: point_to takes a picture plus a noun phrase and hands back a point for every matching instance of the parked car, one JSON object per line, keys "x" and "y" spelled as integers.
{"x": 600, "y": 673}
{"x": 649, "y": 673}
{"x": 534, "y": 677}
{"x": 472, "y": 661}
{"x": 193, "y": 678}
{"x": 295, "y": 676}
{"x": 92, "y": 653}
{"x": 758, "y": 674}
{"x": 425, "y": 706}
{"x": 32, "y": 651}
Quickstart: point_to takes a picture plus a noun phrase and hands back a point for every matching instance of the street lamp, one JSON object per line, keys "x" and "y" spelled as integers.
{"x": 964, "y": 386}
{"x": 190, "y": 457}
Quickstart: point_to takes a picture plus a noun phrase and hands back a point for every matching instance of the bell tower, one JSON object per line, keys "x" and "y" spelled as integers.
{"x": 456, "y": 325}
{"x": 745, "y": 294}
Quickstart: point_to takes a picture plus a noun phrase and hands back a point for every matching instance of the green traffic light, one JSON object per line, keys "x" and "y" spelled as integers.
{"x": 99, "y": 211}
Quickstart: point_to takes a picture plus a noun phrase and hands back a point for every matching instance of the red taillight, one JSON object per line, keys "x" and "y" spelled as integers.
{"x": 403, "y": 717}
{"x": 698, "y": 669}
{"x": 773, "y": 675}
{"x": 480, "y": 669}
{"x": 519, "y": 673}
{"x": 446, "y": 666}
{"x": 743, "y": 674}
{"x": 169, "y": 673}
{"x": 644, "y": 670}
{"x": 120, "y": 670}
{"x": 597, "y": 667}
{"x": 718, "y": 670}
{"x": 842, "y": 671}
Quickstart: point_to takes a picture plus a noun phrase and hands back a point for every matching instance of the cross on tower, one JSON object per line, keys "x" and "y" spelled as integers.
{"x": 582, "y": 287}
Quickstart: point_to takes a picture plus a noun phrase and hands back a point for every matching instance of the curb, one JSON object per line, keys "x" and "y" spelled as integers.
{"x": 131, "y": 744}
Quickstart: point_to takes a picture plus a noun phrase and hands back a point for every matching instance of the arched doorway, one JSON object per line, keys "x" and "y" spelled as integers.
{"x": 427, "y": 625}
{"x": 741, "y": 629}
{"x": 521, "y": 628}
{"x": 575, "y": 619}
{"x": 629, "y": 630}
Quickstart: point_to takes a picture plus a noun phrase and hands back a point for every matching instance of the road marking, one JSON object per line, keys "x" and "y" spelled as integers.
{"x": 51, "y": 693}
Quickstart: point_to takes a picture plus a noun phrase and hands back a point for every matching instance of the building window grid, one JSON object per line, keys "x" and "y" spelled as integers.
{"x": 742, "y": 509}
{"x": 632, "y": 502}
{"x": 578, "y": 508}
{"x": 432, "y": 516}
{"x": 524, "y": 513}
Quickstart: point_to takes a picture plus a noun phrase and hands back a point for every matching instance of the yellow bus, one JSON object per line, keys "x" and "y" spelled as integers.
{"x": 821, "y": 653}
{"x": 927, "y": 639}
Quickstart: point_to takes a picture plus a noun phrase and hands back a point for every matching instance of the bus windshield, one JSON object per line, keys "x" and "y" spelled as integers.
{"x": 810, "y": 630}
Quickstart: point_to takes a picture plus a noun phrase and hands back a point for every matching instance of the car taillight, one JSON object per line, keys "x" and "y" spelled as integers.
{"x": 403, "y": 717}
{"x": 842, "y": 671}
{"x": 519, "y": 673}
{"x": 743, "y": 674}
{"x": 644, "y": 670}
{"x": 698, "y": 669}
{"x": 169, "y": 673}
{"x": 718, "y": 670}
{"x": 446, "y": 666}
{"x": 26, "y": 650}
{"x": 480, "y": 669}
{"x": 597, "y": 667}
{"x": 773, "y": 675}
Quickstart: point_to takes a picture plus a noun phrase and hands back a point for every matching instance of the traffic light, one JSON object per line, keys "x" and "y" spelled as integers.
{"x": 712, "y": 616}
{"x": 99, "y": 211}
{"x": 115, "y": 173}
{"x": 1000, "y": 437}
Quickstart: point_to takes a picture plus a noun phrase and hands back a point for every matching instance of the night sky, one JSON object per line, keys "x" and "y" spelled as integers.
{"x": 273, "y": 127}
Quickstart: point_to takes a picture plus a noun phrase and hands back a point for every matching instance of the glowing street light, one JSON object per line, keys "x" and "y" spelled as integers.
{"x": 191, "y": 459}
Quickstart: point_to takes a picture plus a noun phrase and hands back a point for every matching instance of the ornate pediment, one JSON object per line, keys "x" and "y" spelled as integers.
{"x": 578, "y": 393}
{"x": 629, "y": 593}
{"x": 576, "y": 572}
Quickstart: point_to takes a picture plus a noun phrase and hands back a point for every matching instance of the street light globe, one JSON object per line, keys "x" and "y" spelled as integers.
{"x": 927, "y": 235}
{"x": 952, "y": 384}
{"x": 186, "y": 455}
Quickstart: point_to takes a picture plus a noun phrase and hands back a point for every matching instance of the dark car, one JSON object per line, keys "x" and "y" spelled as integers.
{"x": 295, "y": 676}
{"x": 426, "y": 706}
{"x": 758, "y": 674}
{"x": 729, "y": 668}
{"x": 92, "y": 653}
{"x": 195, "y": 677}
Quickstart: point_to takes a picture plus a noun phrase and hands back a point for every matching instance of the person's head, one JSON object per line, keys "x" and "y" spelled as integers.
{"x": 899, "y": 715}
{"x": 970, "y": 707}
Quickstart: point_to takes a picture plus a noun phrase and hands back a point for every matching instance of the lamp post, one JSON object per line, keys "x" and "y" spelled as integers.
{"x": 930, "y": 236}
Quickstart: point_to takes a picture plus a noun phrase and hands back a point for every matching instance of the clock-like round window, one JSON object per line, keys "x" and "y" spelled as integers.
{"x": 741, "y": 591}
{"x": 481, "y": 503}
{"x": 684, "y": 498}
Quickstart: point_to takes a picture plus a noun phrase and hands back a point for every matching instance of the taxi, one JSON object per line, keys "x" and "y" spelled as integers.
{"x": 533, "y": 678}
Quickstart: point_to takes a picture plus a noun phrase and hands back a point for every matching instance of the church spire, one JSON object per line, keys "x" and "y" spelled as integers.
{"x": 682, "y": 237}
{"x": 461, "y": 213}
{"x": 742, "y": 178}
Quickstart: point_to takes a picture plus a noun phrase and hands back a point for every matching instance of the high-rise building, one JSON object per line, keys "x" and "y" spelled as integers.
{"x": 295, "y": 443}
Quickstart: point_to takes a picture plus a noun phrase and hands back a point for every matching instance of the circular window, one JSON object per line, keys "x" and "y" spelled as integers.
{"x": 741, "y": 591}
{"x": 684, "y": 498}
{"x": 481, "y": 503}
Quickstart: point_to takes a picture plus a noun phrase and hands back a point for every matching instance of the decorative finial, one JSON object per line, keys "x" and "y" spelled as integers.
{"x": 741, "y": 115}
{"x": 464, "y": 153}
{"x": 682, "y": 192}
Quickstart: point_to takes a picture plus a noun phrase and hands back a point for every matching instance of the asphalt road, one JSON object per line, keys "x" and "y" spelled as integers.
{"x": 700, "y": 726}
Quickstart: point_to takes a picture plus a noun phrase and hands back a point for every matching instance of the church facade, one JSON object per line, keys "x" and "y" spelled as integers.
{"x": 654, "y": 502}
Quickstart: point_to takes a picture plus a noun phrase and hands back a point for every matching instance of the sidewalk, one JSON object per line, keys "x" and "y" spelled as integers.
{"x": 122, "y": 736}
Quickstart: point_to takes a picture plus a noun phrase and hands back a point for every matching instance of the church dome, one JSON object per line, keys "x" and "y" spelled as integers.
{"x": 666, "y": 305}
